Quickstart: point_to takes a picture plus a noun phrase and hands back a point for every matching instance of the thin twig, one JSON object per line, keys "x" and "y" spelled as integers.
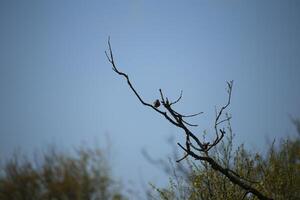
{"x": 184, "y": 157}
{"x": 177, "y": 99}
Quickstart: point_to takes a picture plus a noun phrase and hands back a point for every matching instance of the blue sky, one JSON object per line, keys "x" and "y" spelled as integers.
{"x": 57, "y": 86}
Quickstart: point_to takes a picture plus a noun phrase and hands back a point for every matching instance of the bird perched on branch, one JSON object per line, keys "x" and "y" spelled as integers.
{"x": 156, "y": 103}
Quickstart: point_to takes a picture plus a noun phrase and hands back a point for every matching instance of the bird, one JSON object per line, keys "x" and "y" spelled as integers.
{"x": 156, "y": 103}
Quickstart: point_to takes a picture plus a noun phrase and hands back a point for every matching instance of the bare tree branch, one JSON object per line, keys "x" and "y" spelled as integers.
{"x": 192, "y": 141}
{"x": 177, "y": 99}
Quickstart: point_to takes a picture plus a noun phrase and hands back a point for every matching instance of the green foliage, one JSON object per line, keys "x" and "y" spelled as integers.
{"x": 277, "y": 174}
{"x": 84, "y": 175}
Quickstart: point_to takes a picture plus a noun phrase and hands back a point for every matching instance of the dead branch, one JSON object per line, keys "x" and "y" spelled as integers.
{"x": 192, "y": 142}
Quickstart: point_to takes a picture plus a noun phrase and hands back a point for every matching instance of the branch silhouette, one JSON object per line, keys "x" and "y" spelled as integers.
{"x": 193, "y": 147}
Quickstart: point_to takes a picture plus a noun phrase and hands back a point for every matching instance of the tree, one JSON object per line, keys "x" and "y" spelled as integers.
{"x": 277, "y": 174}
{"x": 84, "y": 175}
{"x": 194, "y": 147}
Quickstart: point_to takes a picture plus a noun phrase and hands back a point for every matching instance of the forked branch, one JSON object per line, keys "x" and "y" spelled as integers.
{"x": 194, "y": 147}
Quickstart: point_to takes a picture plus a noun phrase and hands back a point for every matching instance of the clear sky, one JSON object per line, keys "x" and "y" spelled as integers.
{"x": 56, "y": 85}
